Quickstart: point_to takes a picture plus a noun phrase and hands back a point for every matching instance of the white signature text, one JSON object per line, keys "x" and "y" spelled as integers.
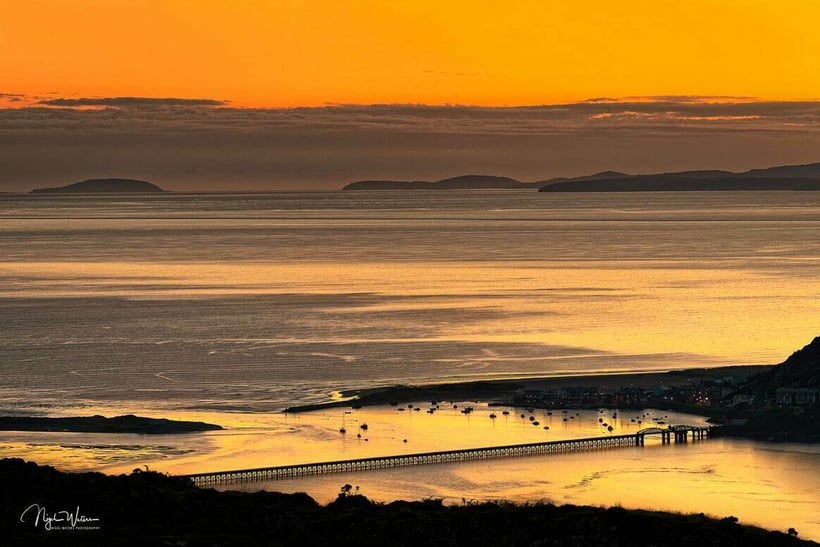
{"x": 58, "y": 520}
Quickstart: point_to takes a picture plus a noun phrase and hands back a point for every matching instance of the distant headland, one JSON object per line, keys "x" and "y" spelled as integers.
{"x": 102, "y": 186}
{"x": 464, "y": 182}
{"x": 785, "y": 177}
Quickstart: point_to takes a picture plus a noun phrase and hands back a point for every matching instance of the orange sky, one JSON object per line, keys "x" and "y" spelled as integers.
{"x": 290, "y": 52}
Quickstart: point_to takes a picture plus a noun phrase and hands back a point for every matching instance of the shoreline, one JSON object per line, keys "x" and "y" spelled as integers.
{"x": 100, "y": 424}
{"x": 494, "y": 390}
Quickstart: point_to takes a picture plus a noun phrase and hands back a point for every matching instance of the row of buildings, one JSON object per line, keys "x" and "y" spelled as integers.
{"x": 705, "y": 393}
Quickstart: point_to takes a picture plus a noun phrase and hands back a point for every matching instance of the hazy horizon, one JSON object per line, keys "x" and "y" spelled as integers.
{"x": 205, "y": 145}
{"x": 229, "y": 309}
{"x": 214, "y": 96}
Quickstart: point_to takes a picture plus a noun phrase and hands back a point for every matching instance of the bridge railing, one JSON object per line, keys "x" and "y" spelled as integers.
{"x": 446, "y": 456}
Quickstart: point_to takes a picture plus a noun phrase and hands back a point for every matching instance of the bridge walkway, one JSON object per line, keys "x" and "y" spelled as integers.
{"x": 680, "y": 434}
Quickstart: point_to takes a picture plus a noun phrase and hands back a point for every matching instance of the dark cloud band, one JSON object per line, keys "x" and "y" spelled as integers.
{"x": 130, "y": 102}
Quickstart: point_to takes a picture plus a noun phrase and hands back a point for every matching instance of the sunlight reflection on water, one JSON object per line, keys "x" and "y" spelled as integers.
{"x": 230, "y": 308}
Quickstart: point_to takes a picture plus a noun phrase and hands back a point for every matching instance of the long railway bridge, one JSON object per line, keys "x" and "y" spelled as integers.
{"x": 680, "y": 433}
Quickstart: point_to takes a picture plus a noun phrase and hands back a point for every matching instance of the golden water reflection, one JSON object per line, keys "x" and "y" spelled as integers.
{"x": 775, "y": 486}
{"x": 717, "y": 315}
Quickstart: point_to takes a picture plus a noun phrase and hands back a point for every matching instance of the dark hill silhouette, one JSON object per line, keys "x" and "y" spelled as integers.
{"x": 768, "y": 417}
{"x": 481, "y": 181}
{"x": 603, "y": 175}
{"x": 787, "y": 177}
{"x": 147, "y": 508}
{"x": 696, "y": 174}
{"x": 102, "y": 186}
{"x": 389, "y": 185}
{"x": 784, "y": 177}
{"x": 801, "y": 369}
{"x": 673, "y": 183}
{"x": 463, "y": 182}
{"x": 808, "y": 170}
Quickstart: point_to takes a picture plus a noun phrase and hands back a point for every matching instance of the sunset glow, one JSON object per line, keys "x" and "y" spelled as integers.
{"x": 289, "y": 53}
{"x": 453, "y": 272}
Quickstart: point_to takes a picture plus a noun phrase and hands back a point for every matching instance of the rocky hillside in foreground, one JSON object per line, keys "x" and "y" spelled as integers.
{"x": 780, "y": 404}
{"x": 800, "y": 370}
{"x": 147, "y": 508}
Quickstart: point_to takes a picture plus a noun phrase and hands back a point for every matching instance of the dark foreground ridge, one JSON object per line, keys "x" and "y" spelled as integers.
{"x": 102, "y": 186}
{"x": 147, "y": 508}
{"x": 101, "y": 424}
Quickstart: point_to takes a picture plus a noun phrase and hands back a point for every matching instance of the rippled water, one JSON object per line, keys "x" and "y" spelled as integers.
{"x": 254, "y": 302}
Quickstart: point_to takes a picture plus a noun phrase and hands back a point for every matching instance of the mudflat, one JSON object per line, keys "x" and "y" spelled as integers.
{"x": 100, "y": 424}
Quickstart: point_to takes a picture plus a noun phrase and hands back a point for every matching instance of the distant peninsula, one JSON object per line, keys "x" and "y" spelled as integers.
{"x": 464, "y": 182}
{"x": 102, "y": 186}
{"x": 785, "y": 177}
{"x": 100, "y": 424}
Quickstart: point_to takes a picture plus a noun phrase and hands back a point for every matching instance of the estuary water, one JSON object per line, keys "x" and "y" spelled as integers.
{"x": 229, "y": 308}
{"x": 257, "y": 302}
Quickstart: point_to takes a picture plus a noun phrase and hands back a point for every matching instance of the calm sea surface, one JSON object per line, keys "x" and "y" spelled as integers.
{"x": 231, "y": 307}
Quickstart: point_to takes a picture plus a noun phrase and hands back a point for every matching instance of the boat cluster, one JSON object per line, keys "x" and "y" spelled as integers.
{"x": 566, "y": 416}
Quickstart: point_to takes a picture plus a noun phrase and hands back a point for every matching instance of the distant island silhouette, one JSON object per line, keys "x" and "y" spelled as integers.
{"x": 100, "y": 186}
{"x": 785, "y": 177}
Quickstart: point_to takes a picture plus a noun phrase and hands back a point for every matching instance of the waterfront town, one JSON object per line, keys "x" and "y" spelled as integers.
{"x": 704, "y": 394}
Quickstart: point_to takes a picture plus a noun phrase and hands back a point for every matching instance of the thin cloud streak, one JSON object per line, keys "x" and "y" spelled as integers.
{"x": 130, "y": 102}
